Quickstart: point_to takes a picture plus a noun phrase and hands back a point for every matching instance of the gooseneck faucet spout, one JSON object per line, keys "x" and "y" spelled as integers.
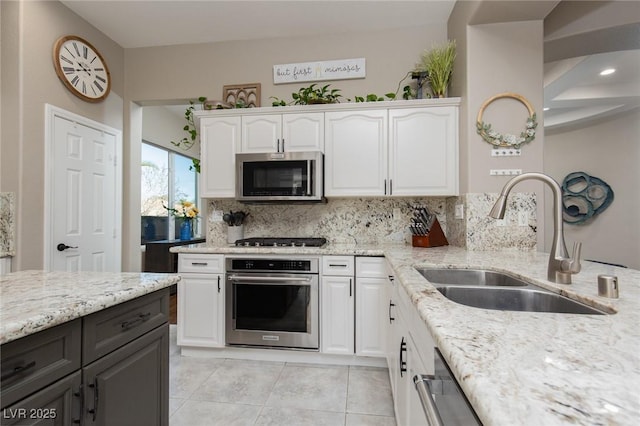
{"x": 561, "y": 266}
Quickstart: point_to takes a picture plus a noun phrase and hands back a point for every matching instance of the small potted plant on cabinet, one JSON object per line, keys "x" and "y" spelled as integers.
{"x": 438, "y": 64}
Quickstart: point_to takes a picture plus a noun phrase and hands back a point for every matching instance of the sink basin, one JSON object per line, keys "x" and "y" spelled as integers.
{"x": 515, "y": 299}
{"x": 495, "y": 290}
{"x": 475, "y": 277}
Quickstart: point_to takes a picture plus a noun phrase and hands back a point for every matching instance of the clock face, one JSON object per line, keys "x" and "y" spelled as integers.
{"x": 81, "y": 68}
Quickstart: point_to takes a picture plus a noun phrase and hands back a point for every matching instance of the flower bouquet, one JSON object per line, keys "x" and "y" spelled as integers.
{"x": 187, "y": 211}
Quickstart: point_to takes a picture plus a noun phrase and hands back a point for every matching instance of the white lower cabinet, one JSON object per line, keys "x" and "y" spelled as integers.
{"x": 337, "y": 305}
{"x": 201, "y": 301}
{"x": 410, "y": 353}
{"x": 372, "y": 296}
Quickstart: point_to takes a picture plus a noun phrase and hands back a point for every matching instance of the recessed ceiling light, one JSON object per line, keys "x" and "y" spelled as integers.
{"x": 545, "y": 109}
{"x": 608, "y": 71}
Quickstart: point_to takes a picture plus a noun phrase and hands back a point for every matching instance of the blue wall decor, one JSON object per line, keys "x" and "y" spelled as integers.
{"x": 584, "y": 197}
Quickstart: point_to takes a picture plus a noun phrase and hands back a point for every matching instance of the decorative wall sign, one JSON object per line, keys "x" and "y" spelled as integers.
{"x": 247, "y": 93}
{"x": 584, "y": 197}
{"x": 341, "y": 69}
{"x": 507, "y": 141}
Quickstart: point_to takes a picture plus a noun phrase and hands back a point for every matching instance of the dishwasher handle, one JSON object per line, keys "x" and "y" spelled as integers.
{"x": 426, "y": 399}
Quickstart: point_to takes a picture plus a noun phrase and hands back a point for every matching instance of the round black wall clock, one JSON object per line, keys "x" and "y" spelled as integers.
{"x": 81, "y": 68}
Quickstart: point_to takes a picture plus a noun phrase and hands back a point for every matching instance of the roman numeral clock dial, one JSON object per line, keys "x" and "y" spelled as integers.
{"x": 81, "y": 68}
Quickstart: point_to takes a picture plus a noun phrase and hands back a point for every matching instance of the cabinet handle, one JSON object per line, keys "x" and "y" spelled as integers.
{"x": 338, "y": 265}
{"x": 94, "y": 410}
{"x": 390, "y": 186}
{"x": 79, "y": 394}
{"x": 277, "y": 145}
{"x": 391, "y": 319}
{"x": 18, "y": 370}
{"x": 403, "y": 363}
{"x": 126, "y": 325}
{"x": 385, "y": 187}
{"x": 350, "y": 287}
{"x": 282, "y": 144}
{"x": 218, "y": 283}
{"x": 199, "y": 263}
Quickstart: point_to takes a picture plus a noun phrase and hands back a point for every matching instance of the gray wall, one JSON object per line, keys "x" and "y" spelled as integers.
{"x": 609, "y": 150}
{"x": 29, "y": 30}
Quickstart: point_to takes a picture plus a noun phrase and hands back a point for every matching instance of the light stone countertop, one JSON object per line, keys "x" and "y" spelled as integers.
{"x": 521, "y": 368}
{"x": 31, "y": 301}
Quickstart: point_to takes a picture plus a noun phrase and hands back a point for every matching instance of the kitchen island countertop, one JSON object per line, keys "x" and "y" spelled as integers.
{"x": 32, "y": 301}
{"x": 522, "y": 368}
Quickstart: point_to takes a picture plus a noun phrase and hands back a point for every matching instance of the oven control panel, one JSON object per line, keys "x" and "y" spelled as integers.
{"x": 272, "y": 264}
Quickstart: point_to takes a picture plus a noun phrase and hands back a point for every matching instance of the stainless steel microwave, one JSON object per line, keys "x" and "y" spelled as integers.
{"x": 280, "y": 177}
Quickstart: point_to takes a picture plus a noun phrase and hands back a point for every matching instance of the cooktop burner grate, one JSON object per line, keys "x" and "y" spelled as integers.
{"x": 281, "y": 242}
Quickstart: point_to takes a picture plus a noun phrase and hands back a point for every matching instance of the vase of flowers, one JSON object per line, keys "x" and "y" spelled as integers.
{"x": 187, "y": 212}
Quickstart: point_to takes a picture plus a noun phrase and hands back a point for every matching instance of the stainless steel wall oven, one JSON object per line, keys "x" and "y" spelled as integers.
{"x": 272, "y": 301}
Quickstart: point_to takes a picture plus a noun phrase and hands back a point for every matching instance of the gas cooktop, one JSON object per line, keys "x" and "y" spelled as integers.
{"x": 281, "y": 242}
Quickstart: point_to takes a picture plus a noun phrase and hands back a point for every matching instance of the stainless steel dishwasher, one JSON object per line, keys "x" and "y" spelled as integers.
{"x": 442, "y": 399}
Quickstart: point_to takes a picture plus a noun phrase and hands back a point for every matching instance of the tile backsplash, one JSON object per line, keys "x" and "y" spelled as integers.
{"x": 341, "y": 220}
{"x": 7, "y": 224}
{"x": 478, "y": 231}
{"x": 386, "y": 220}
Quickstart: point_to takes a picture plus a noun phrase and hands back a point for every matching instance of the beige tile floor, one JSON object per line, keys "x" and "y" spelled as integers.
{"x": 229, "y": 392}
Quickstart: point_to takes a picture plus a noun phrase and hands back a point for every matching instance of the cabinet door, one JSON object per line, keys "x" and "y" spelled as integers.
{"x": 57, "y": 405}
{"x": 201, "y": 310}
{"x": 303, "y": 132}
{"x": 337, "y": 315}
{"x": 219, "y": 142}
{"x": 261, "y": 133}
{"x": 355, "y": 153}
{"x": 130, "y": 386}
{"x": 423, "y": 151}
{"x": 371, "y": 316}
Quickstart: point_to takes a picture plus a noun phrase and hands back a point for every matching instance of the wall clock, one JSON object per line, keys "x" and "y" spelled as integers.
{"x": 81, "y": 68}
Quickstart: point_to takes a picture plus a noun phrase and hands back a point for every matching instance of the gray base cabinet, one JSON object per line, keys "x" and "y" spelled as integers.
{"x": 108, "y": 368}
{"x": 129, "y": 386}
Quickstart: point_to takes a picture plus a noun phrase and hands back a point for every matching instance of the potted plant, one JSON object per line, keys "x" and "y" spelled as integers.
{"x": 311, "y": 95}
{"x": 187, "y": 212}
{"x": 438, "y": 64}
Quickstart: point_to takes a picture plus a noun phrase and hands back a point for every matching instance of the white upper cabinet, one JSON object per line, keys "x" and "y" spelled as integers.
{"x": 395, "y": 152}
{"x": 355, "y": 153}
{"x": 219, "y": 142}
{"x": 373, "y": 149}
{"x": 283, "y": 132}
{"x": 261, "y": 133}
{"x": 423, "y": 151}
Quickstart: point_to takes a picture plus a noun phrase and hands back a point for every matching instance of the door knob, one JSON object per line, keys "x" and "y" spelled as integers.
{"x": 63, "y": 247}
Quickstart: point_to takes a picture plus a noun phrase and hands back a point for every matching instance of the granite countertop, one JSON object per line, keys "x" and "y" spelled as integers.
{"x": 522, "y": 368}
{"x": 31, "y": 301}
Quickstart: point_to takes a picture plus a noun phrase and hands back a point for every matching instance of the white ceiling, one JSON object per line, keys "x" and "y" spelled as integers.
{"x": 144, "y": 23}
{"x": 573, "y": 88}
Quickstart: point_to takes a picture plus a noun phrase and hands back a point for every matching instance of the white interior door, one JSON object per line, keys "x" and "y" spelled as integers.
{"x": 83, "y": 198}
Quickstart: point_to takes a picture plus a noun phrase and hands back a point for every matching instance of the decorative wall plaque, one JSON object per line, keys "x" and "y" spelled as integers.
{"x": 247, "y": 93}
{"x": 341, "y": 69}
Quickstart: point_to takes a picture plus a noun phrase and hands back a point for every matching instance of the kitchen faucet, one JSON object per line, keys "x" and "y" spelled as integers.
{"x": 561, "y": 266}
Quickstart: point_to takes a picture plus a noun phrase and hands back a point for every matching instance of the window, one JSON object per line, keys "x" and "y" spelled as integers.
{"x": 166, "y": 179}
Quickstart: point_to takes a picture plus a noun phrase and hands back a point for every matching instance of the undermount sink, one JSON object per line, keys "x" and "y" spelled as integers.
{"x": 499, "y": 291}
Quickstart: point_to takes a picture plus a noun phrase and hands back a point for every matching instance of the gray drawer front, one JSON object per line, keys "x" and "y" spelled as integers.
{"x": 107, "y": 330}
{"x": 56, "y": 405}
{"x": 35, "y": 361}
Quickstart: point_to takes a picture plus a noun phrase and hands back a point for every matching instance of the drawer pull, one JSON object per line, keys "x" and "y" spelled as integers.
{"x": 199, "y": 263}
{"x": 336, "y": 265}
{"x": 18, "y": 370}
{"x": 131, "y": 323}
{"x": 94, "y": 410}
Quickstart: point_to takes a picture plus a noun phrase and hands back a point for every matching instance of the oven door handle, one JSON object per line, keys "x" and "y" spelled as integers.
{"x": 268, "y": 279}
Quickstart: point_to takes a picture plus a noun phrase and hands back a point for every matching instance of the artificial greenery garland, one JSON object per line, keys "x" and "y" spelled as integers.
{"x": 507, "y": 140}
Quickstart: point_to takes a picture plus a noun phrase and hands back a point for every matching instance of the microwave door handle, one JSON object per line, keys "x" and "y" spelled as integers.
{"x": 426, "y": 399}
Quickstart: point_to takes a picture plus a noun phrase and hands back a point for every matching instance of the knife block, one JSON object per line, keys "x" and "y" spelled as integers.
{"x": 435, "y": 237}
